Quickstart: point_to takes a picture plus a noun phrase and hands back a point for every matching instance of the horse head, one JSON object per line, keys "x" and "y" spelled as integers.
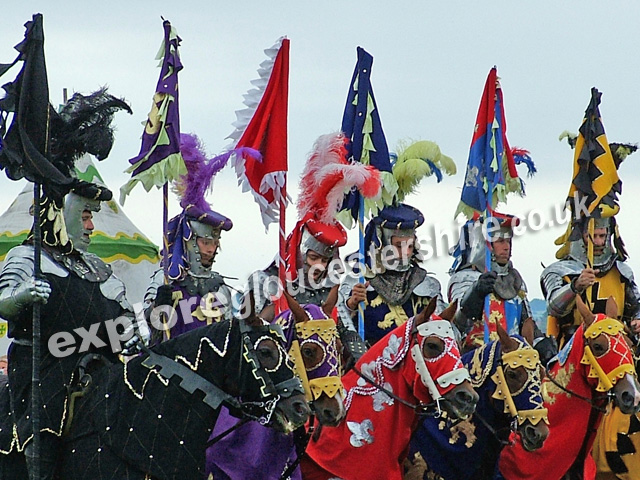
{"x": 437, "y": 358}
{"x": 608, "y": 353}
{"x": 518, "y": 380}
{"x": 271, "y": 385}
{"x": 319, "y": 348}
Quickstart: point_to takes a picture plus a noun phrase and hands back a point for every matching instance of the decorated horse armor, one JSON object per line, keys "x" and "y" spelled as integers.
{"x": 506, "y": 373}
{"x": 595, "y": 366}
{"x": 312, "y": 340}
{"x": 153, "y": 416}
{"x": 415, "y": 368}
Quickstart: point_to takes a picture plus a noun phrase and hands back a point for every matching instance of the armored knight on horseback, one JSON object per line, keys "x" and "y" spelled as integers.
{"x": 504, "y": 285}
{"x": 197, "y": 294}
{"x": 608, "y": 275}
{"x": 396, "y": 287}
{"x": 82, "y": 301}
{"x": 592, "y": 265}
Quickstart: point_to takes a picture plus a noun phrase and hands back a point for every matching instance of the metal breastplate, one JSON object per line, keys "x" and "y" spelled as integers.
{"x": 316, "y": 297}
{"x": 202, "y": 285}
{"x": 396, "y": 287}
{"x": 89, "y": 267}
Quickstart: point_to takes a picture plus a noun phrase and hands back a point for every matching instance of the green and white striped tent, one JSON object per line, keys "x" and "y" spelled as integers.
{"x": 115, "y": 239}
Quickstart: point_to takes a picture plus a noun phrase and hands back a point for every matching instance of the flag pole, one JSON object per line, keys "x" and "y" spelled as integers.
{"x": 282, "y": 268}
{"x": 590, "y": 229}
{"x": 35, "y": 351}
{"x": 362, "y": 264}
{"x": 165, "y": 240}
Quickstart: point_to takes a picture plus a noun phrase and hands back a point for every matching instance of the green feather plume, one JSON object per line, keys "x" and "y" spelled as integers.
{"x": 413, "y": 164}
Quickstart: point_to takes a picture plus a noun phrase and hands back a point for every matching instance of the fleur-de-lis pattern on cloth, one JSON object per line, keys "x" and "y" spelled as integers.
{"x": 380, "y": 399}
{"x": 395, "y": 351}
{"x": 361, "y": 433}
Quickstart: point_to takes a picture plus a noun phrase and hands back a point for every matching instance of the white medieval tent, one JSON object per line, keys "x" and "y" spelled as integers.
{"x": 133, "y": 257}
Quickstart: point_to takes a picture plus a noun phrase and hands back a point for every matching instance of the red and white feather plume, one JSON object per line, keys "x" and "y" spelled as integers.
{"x": 328, "y": 176}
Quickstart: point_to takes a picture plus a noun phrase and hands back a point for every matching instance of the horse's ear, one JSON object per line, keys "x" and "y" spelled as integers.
{"x": 268, "y": 313}
{"x": 426, "y": 313}
{"x": 528, "y": 330}
{"x": 449, "y": 312}
{"x": 298, "y": 312}
{"x": 330, "y": 303}
{"x": 587, "y": 316}
{"x": 248, "y": 311}
{"x": 507, "y": 343}
{"x": 611, "y": 308}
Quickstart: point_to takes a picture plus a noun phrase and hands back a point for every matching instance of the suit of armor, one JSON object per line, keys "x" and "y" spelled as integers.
{"x": 392, "y": 298}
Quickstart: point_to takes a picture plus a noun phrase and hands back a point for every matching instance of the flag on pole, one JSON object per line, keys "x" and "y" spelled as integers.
{"x": 367, "y": 144}
{"x": 159, "y": 160}
{"x": 595, "y": 175}
{"x": 491, "y": 169}
{"x": 260, "y": 137}
{"x": 361, "y": 125}
{"x": 25, "y": 142}
{"x": 595, "y": 183}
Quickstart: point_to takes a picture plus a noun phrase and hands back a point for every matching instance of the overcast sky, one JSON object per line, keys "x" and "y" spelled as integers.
{"x": 431, "y": 60}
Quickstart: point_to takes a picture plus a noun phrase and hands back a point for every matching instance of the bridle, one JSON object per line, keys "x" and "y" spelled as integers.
{"x": 528, "y": 358}
{"x": 260, "y": 411}
{"x": 606, "y": 382}
{"x": 432, "y": 409}
{"x": 443, "y": 330}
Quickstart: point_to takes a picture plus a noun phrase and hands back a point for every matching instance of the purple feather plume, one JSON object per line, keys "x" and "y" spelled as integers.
{"x": 200, "y": 172}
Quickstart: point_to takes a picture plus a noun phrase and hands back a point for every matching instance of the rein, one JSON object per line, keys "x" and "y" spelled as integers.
{"x": 421, "y": 409}
{"x": 607, "y": 396}
{"x": 494, "y": 431}
{"x": 301, "y": 441}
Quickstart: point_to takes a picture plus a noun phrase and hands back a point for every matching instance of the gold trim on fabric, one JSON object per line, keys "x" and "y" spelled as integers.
{"x": 329, "y": 385}
{"x": 523, "y": 357}
{"x": 325, "y": 329}
{"x": 534, "y": 416}
{"x": 610, "y": 326}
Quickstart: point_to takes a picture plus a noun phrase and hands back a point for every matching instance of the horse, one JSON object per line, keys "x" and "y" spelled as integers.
{"x": 507, "y": 374}
{"x": 312, "y": 338}
{"x": 595, "y": 366}
{"x": 150, "y": 418}
{"x": 414, "y": 370}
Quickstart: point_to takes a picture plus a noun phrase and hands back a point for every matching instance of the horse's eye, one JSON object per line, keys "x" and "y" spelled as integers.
{"x": 598, "y": 349}
{"x": 308, "y": 352}
{"x": 511, "y": 375}
{"x": 432, "y": 349}
{"x": 266, "y": 353}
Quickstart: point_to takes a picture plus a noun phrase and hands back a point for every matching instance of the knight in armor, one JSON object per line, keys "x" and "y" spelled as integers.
{"x": 396, "y": 287}
{"x": 195, "y": 292}
{"x": 312, "y": 262}
{"x": 312, "y": 254}
{"x": 78, "y": 293}
{"x": 470, "y": 285}
{"x": 610, "y": 275}
{"x": 607, "y": 275}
